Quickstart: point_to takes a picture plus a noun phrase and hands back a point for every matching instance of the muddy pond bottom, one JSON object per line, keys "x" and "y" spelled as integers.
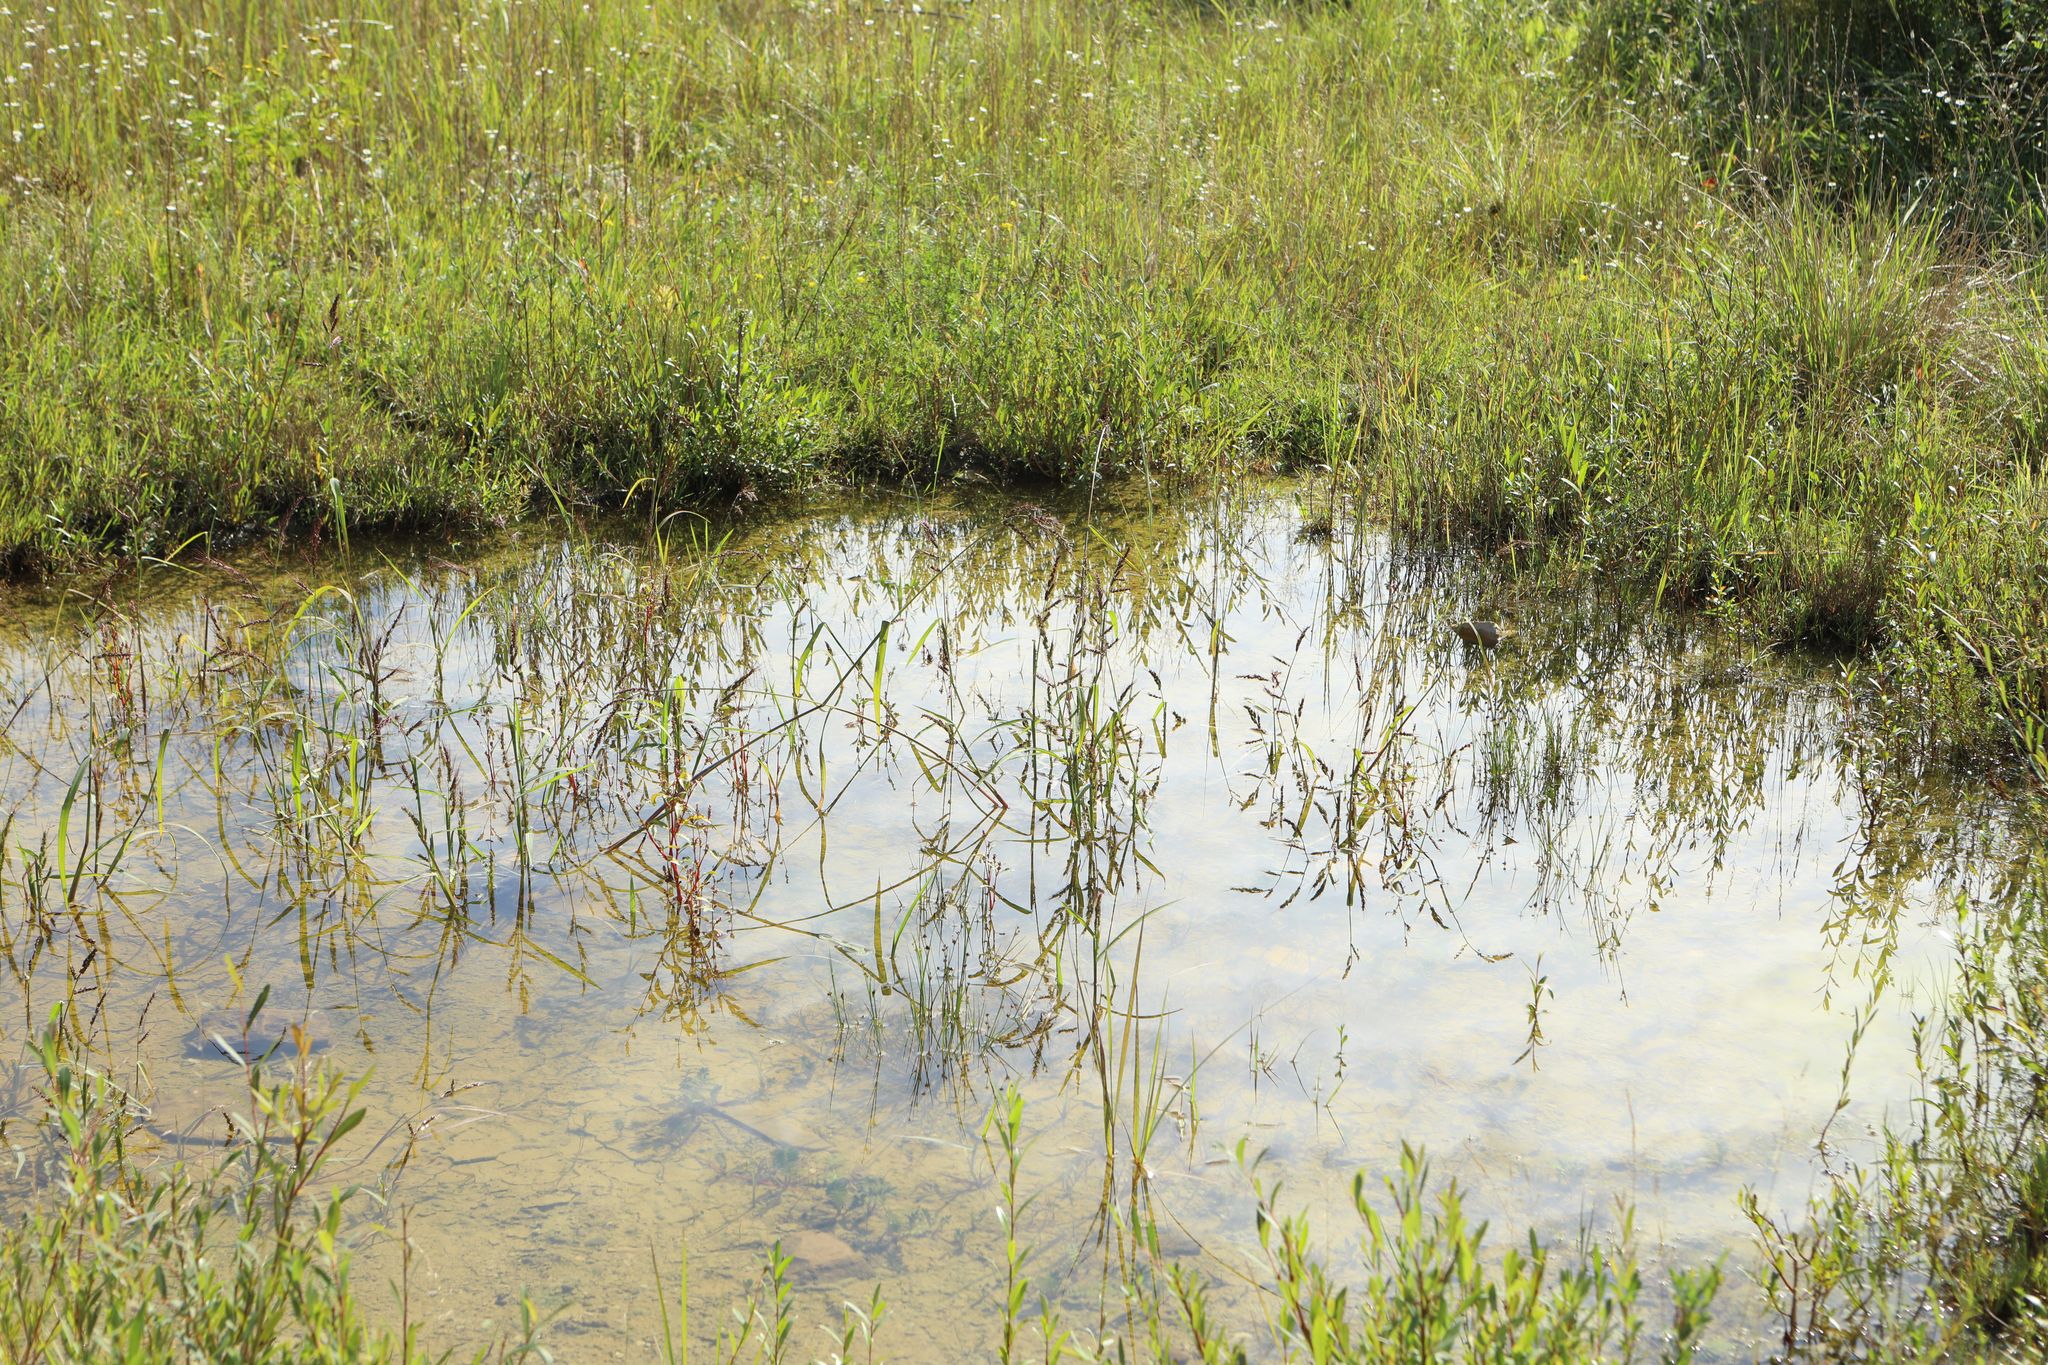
{"x": 707, "y": 892}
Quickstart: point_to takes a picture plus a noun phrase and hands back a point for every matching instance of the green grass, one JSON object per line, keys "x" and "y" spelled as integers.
{"x": 271, "y": 271}
{"x": 1941, "y": 100}
{"x": 292, "y": 269}
{"x": 123, "y": 1260}
{"x": 122, "y": 1253}
{"x": 1512, "y": 272}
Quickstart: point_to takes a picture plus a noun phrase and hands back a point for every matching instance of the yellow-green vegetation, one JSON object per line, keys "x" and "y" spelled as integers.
{"x": 127, "y": 1260}
{"x": 1739, "y": 302}
{"x": 239, "y": 1255}
{"x": 296, "y": 268}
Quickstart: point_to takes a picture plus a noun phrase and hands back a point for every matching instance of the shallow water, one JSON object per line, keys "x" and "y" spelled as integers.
{"x": 702, "y": 894}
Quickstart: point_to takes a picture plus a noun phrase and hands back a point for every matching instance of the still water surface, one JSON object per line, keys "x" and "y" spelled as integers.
{"x": 704, "y": 892}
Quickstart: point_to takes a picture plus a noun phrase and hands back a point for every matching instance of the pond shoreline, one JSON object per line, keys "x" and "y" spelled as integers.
{"x": 1554, "y": 906}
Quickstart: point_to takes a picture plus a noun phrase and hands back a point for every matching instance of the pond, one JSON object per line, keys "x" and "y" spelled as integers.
{"x": 705, "y": 887}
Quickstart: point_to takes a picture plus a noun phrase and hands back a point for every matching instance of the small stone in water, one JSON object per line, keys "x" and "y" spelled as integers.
{"x": 267, "y": 1037}
{"x": 815, "y": 1250}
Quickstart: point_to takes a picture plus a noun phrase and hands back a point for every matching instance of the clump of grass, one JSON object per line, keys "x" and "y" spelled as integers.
{"x": 129, "y": 1260}
{"x": 1936, "y": 1246}
{"x": 121, "y": 1253}
{"x": 1432, "y": 1291}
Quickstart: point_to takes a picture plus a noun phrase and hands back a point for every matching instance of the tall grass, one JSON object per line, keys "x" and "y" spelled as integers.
{"x": 1940, "y": 100}
{"x": 436, "y": 264}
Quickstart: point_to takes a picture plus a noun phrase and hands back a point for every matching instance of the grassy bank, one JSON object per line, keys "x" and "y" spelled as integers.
{"x": 294, "y": 270}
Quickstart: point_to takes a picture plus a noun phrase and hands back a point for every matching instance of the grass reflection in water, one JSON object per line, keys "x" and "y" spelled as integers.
{"x": 718, "y": 888}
